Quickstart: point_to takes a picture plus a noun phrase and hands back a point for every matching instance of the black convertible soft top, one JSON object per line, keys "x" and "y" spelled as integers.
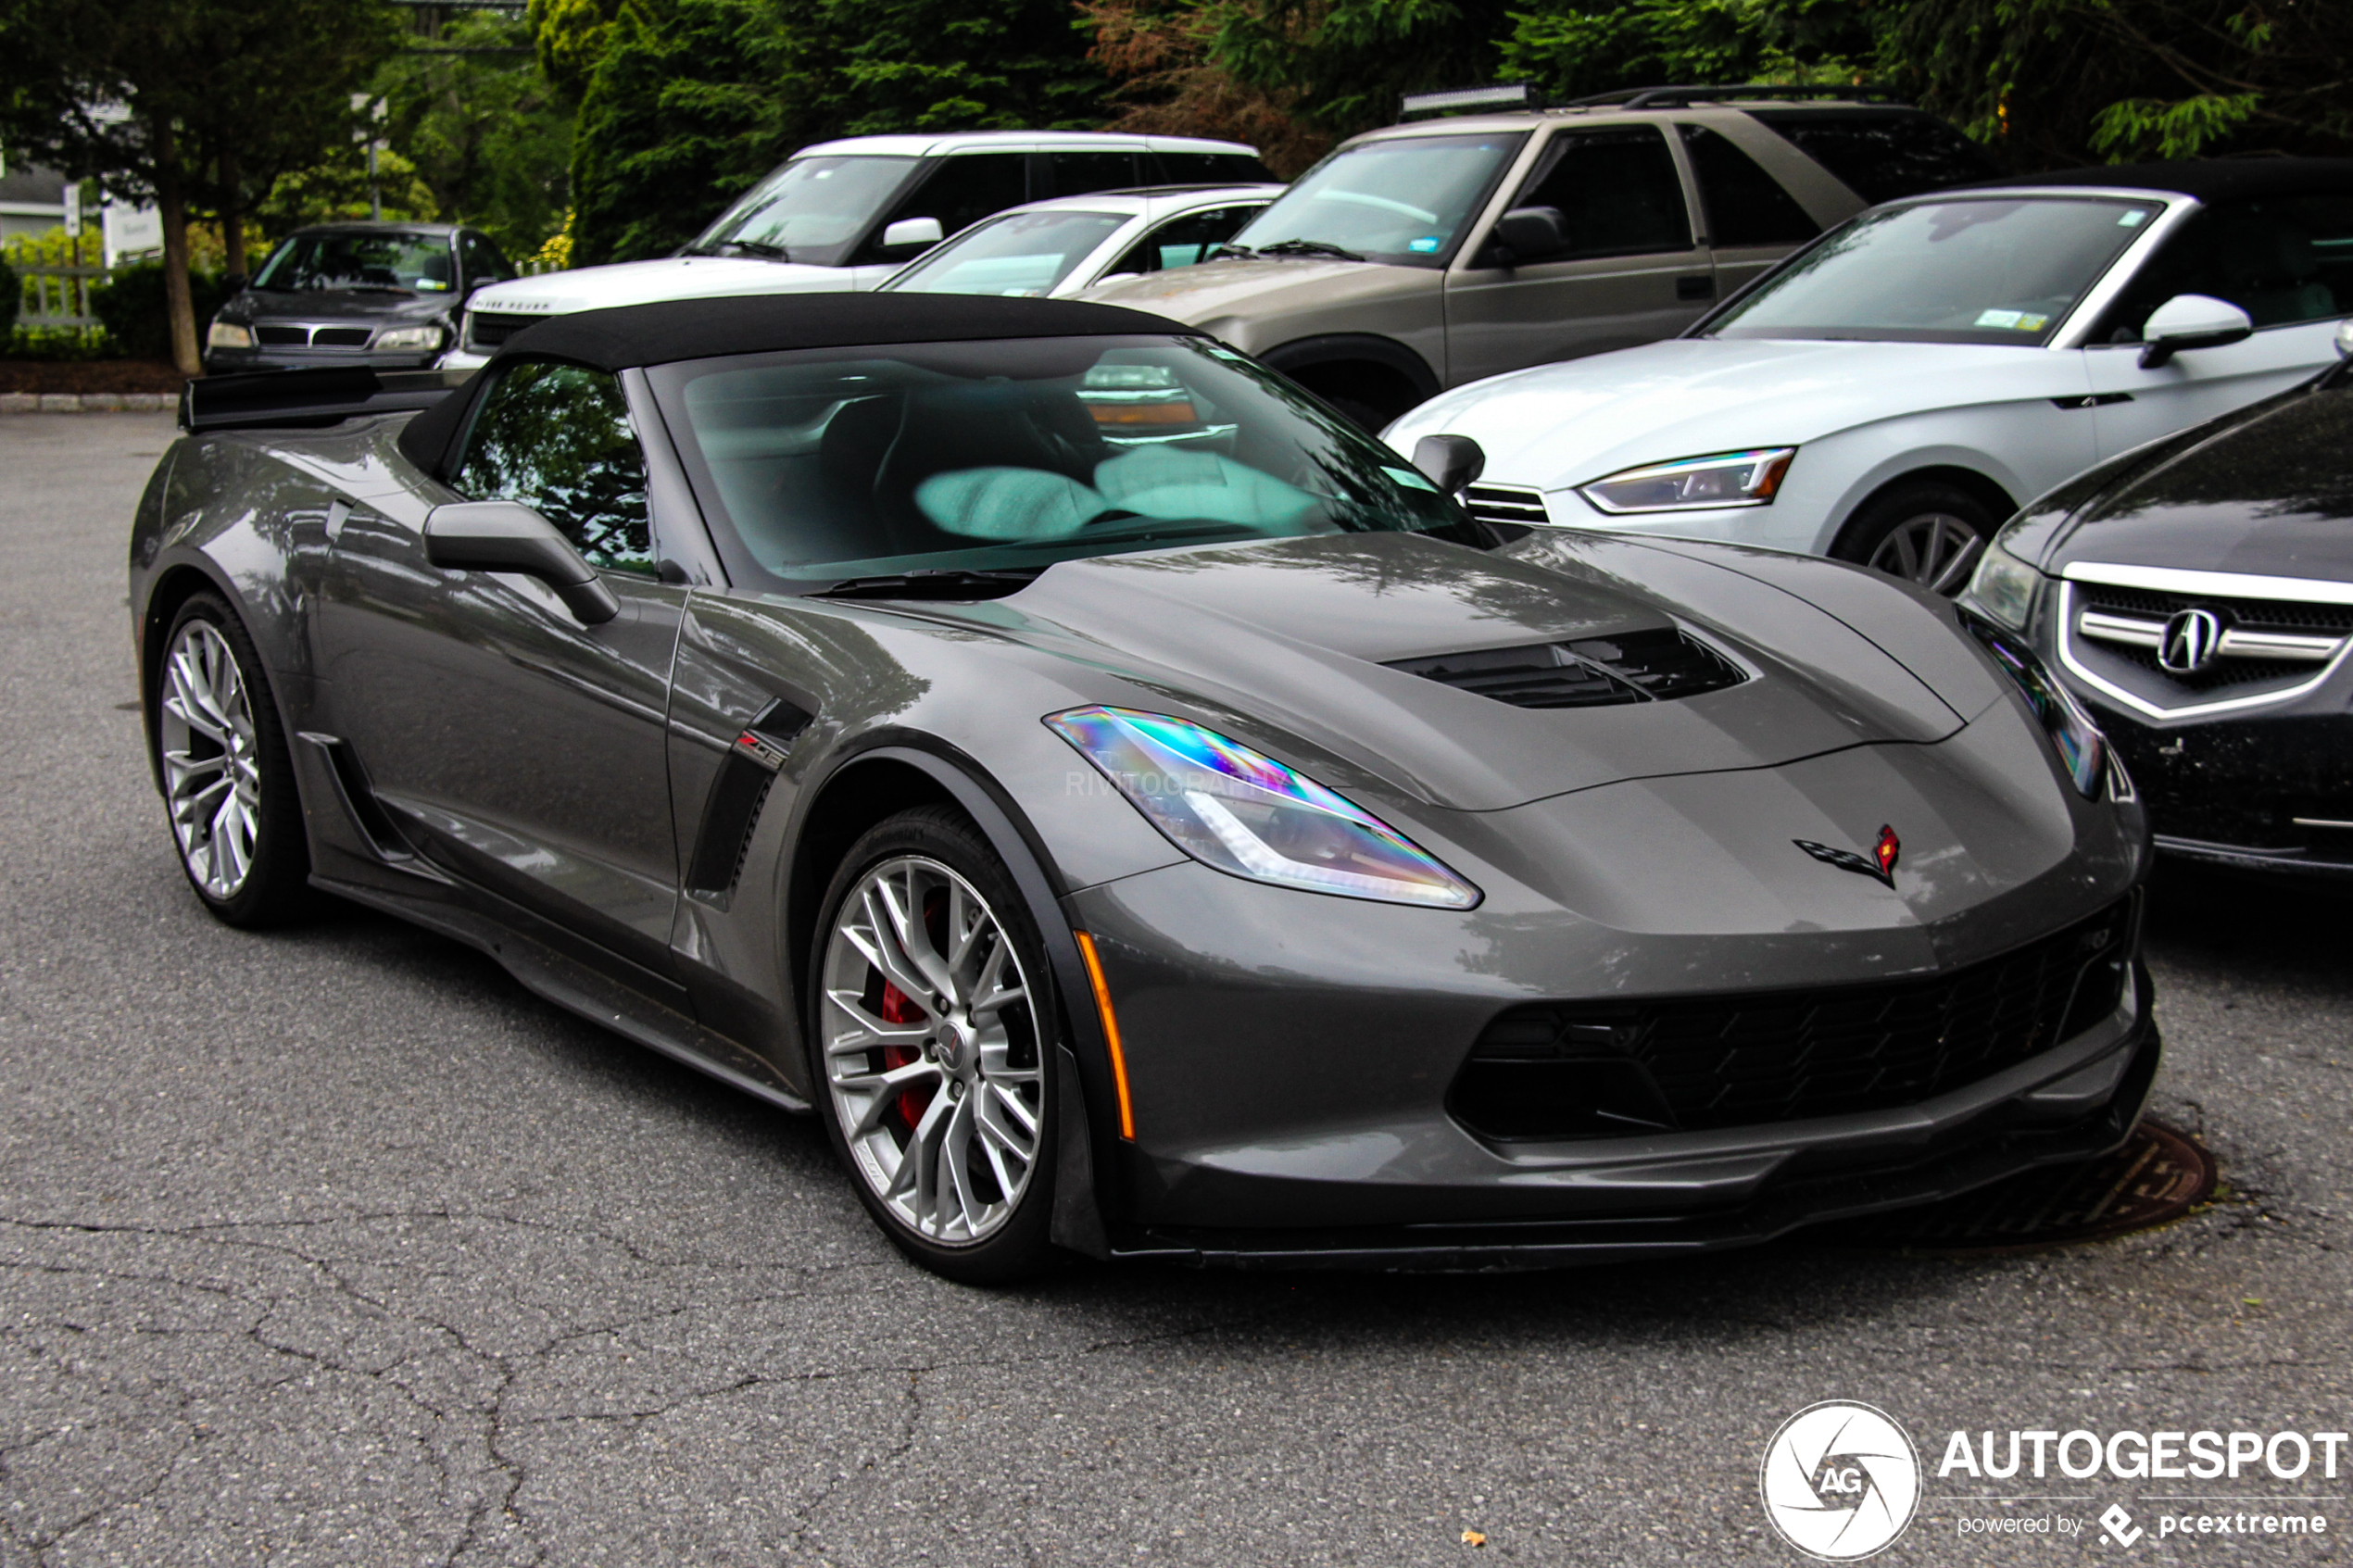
{"x": 672, "y": 330}
{"x": 2209, "y": 180}
{"x": 635, "y": 335}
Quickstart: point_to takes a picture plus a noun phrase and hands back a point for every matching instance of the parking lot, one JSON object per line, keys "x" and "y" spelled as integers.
{"x": 337, "y": 1246}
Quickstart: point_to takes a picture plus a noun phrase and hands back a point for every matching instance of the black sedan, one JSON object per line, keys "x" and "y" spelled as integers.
{"x": 385, "y": 296}
{"x": 2197, "y": 594}
{"x": 1134, "y": 808}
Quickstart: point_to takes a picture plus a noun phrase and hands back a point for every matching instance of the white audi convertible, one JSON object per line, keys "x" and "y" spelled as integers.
{"x": 1892, "y": 393}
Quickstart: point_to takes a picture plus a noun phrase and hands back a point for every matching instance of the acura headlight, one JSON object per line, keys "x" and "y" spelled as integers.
{"x": 228, "y": 335}
{"x": 1727, "y": 479}
{"x": 1228, "y": 806}
{"x": 408, "y": 337}
{"x": 2004, "y": 588}
{"x": 2083, "y": 750}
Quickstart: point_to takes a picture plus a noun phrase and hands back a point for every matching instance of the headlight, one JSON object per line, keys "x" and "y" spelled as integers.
{"x": 2004, "y": 588}
{"x": 1228, "y": 806}
{"x": 1727, "y": 479}
{"x": 228, "y": 335}
{"x": 2083, "y": 750}
{"x": 408, "y": 337}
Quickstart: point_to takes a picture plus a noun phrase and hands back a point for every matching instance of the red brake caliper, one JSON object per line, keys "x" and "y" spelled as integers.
{"x": 900, "y": 1008}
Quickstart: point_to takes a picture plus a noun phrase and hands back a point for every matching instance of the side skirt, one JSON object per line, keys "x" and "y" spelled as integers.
{"x": 579, "y": 989}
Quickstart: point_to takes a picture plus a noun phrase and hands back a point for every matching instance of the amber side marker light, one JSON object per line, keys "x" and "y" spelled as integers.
{"x": 1111, "y": 1032}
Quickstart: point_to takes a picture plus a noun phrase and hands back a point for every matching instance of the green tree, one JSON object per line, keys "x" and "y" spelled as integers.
{"x": 571, "y": 37}
{"x": 485, "y": 131}
{"x": 181, "y": 100}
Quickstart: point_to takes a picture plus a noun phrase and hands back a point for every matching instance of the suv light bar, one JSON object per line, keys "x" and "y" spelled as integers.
{"x": 1469, "y": 100}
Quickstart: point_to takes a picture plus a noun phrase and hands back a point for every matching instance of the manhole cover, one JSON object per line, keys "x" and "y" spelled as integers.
{"x": 2157, "y": 1175}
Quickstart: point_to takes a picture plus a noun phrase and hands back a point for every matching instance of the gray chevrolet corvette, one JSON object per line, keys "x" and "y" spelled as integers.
{"x": 1137, "y": 812}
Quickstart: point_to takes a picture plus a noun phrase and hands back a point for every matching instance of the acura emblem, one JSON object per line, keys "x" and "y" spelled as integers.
{"x": 1879, "y": 865}
{"x": 2190, "y": 641}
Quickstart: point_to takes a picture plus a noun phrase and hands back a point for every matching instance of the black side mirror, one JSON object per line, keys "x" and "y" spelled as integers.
{"x": 233, "y": 282}
{"x": 1452, "y": 462}
{"x": 1532, "y": 233}
{"x": 509, "y": 536}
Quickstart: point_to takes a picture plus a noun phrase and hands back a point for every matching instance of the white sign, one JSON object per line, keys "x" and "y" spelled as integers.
{"x": 127, "y": 229}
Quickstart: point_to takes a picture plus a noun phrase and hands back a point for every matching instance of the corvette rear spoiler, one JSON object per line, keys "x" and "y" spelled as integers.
{"x": 307, "y": 400}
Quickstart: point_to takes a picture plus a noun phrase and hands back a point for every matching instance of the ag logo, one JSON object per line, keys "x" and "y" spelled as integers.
{"x": 2190, "y": 641}
{"x": 1840, "y": 1480}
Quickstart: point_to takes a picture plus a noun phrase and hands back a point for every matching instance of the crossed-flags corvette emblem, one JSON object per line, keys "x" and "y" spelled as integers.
{"x": 1880, "y": 864}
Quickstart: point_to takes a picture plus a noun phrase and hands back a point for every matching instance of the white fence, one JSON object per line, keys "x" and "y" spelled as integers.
{"x": 58, "y": 295}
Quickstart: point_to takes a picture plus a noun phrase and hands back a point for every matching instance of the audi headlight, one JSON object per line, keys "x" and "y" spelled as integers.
{"x": 1228, "y": 806}
{"x": 228, "y": 335}
{"x": 2004, "y": 588}
{"x": 408, "y": 337}
{"x": 2083, "y": 750}
{"x": 1727, "y": 479}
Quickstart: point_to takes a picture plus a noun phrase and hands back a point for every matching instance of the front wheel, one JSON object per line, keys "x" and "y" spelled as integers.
{"x": 228, "y": 781}
{"x": 933, "y": 1041}
{"x": 1926, "y": 533}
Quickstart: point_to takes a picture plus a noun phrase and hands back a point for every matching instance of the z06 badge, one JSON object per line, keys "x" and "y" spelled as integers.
{"x": 1879, "y": 864}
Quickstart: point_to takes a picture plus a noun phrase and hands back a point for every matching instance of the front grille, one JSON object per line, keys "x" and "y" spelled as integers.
{"x": 283, "y": 337}
{"x": 1506, "y": 504}
{"x": 488, "y": 328}
{"x": 2126, "y": 624}
{"x": 1657, "y": 665}
{"x": 341, "y": 337}
{"x": 1574, "y": 1069}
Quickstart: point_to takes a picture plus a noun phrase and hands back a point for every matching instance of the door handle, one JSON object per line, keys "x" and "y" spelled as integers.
{"x": 1695, "y": 285}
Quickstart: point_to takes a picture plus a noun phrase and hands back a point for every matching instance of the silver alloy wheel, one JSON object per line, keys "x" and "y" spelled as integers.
{"x": 1936, "y": 550}
{"x": 211, "y": 764}
{"x": 932, "y": 1052}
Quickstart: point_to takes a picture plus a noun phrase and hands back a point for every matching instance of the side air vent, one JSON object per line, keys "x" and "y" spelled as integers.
{"x": 488, "y": 328}
{"x": 1653, "y": 666}
{"x": 1506, "y": 504}
{"x": 740, "y": 789}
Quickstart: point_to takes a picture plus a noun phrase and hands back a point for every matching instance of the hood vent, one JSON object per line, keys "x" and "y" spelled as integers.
{"x": 1653, "y": 666}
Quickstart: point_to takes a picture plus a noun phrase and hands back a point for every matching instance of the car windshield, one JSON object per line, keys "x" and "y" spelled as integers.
{"x": 1021, "y": 254}
{"x": 1985, "y": 270}
{"x": 375, "y": 259}
{"x": 812, "y": 210}
{"x": 1401, "y": 201}
{"x": 824, "y": 465}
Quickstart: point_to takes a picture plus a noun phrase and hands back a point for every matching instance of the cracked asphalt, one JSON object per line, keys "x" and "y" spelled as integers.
{"x": 338, "y": 1246}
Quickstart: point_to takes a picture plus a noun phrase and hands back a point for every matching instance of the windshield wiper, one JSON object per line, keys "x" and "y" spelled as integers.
{"x": 1308, "y": 248}
{"x": 1219, "y": 253}
{"x": 752, "y": 248}
{"x": 953, "y": 583}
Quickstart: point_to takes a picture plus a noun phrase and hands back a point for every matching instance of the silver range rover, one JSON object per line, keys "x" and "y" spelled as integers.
{"x": 1437, "y": 252}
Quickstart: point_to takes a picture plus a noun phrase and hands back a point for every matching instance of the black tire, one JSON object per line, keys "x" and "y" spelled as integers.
{"x": 275, "y": 887}
{"x": 1020, "y": 1246}
{"x": 1927, "y": 532}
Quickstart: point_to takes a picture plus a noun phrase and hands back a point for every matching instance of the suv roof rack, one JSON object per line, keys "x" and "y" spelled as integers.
{"x": 1682, "y": 97}
{"x": 1505, "y": 97}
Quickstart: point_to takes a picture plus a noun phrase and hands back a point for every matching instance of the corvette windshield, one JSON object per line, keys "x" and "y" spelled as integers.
{"x": 824, "y": 465}
{"x": 812, "y": 209}
{"x": 1979, "y": 270}
{"x": 1400, "y": 201}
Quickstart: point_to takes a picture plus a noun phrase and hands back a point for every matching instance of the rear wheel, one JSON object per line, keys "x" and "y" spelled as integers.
{"x": 1926, "y": 533}
{"x": 227, "y": 778}
{"x": 932, "y": 1035}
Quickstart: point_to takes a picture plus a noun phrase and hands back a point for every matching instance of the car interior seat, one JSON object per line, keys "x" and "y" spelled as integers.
{"x": 990, "y": 424}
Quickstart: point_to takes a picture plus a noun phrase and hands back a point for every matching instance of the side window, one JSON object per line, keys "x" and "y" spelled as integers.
{"x": 1617, "y": 191}
{"x": 1078, "y": 174}
{"x": 1744, "y": 204}
{"x": 1183, "y": 241}
{"x": 1882, "y": 153}
{"x": 483, "y": 262}
{"x": 2282, "y": 260}
{"x": 1210, "y": 169}
{"x": 961, "y": 191}
{"x": 557, "y": 439}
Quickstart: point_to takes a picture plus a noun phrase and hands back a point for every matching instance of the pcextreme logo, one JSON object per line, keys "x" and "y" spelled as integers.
{"x": 1840, "y": 1480}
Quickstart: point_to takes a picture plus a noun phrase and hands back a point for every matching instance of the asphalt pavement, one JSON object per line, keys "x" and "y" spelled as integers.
{"x": 337, "y": 1247}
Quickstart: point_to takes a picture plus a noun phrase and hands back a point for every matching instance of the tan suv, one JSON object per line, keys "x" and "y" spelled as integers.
{"x": 1436, "y": 252}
